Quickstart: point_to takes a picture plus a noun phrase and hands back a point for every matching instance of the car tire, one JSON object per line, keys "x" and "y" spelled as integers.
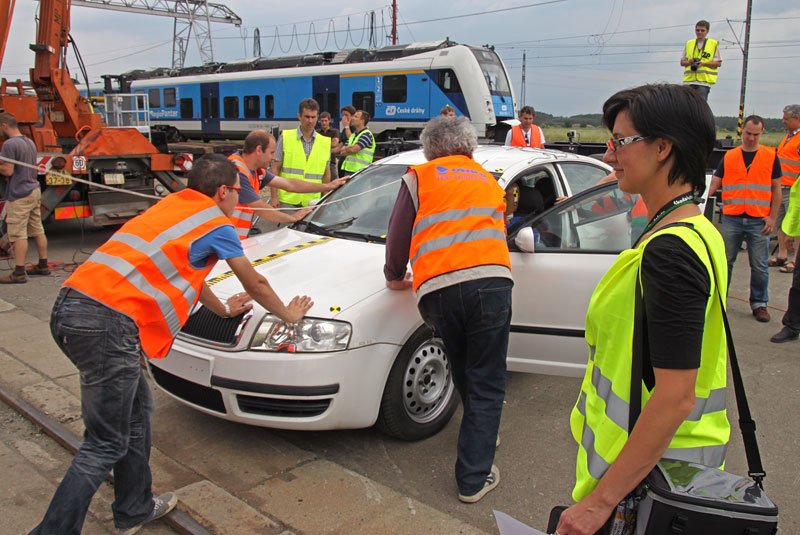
{"x": 419, "y": 397}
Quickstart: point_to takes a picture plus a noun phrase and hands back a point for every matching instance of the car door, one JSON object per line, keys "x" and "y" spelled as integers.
{"x": 576, "y": 242}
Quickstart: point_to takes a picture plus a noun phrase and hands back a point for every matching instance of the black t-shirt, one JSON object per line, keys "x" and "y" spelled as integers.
{"x": 676, "y": 290}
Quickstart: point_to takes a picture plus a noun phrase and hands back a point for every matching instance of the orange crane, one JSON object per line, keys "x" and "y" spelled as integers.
{"x": 72, "y": 139}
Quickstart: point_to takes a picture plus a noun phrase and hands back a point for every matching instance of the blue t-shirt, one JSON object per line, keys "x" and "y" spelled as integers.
{"x": 221, "y": 243}
{"x": 248, "y": 195}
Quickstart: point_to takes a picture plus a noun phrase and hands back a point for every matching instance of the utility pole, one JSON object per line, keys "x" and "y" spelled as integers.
{"x": 744, "y": 69}
{"x": 394, "y": 22}
{"x": 522, "y": 91}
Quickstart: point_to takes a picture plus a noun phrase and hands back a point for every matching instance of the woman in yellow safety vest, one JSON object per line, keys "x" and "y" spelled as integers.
{"x": 661, "y": 138}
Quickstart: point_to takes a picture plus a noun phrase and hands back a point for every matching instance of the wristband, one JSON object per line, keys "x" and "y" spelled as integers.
{"x": 227, "y": 310}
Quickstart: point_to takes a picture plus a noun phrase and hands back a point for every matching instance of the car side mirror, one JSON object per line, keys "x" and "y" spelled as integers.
{"x": 525, "y": 240}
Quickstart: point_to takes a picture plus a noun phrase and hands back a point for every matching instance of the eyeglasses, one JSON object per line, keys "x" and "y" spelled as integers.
{"x": 616, "y": 144}
{"x": 237, "y": 189}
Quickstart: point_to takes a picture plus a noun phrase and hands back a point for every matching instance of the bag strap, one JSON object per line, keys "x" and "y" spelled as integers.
{"x": 641, "y": 348}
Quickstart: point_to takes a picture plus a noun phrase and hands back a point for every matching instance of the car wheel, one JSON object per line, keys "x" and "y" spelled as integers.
{"x": 419, "y": 397}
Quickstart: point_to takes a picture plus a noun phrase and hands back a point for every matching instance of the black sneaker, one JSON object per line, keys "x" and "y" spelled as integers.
{"x": 161, "y": 506}
{"x": 492, "y": 480}
{"x": 784, "y": 335}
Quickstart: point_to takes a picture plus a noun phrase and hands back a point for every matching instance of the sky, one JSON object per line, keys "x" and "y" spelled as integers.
{"x": 577, "y": 52}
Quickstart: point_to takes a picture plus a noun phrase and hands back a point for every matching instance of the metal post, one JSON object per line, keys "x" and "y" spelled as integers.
{"x": 744, "y": 70}
{"x": 522, "y": 90}
{"x": 394, "y": 22}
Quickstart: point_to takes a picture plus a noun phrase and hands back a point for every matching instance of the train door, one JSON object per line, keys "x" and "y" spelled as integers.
{"x": 209, "y": 107}
{"x": 326, "y": 93}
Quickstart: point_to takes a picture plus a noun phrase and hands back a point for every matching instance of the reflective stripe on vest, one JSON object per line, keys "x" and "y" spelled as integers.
{"x": 518, "y": 137}
{"x": 242, "y": 217}
{"x": 790, "y": 159}
{"x": 599, "y": 420}
{"x": 791, "y": 221}
{"x": 748, "y": 190}
{"x": 143, "y": 270}
{"x": 361, "y": 159}
{"x": 296, "y": 165}
{"x": 460, "y": 219}
{"x": 706, "y": 75}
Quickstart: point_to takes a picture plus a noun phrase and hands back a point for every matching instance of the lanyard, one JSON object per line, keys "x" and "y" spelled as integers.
{"x": 677, "y": 202}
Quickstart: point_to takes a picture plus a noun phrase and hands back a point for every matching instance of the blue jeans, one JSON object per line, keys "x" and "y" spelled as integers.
{"x": 736, "y": 228}
{"x": 116, "y": 406}
{"x": 473, "y": 319}
{"x": 703, "y": 90}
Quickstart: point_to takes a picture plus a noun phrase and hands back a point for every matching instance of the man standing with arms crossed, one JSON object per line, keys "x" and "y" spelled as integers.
{"x": 302, "y": 154}
{"x": 128, "y": 301}
{"x": 360, "y": 149}
{"x": 701, "y": 60}
{"x": 23, "y": 199}
{"x": 525, "y": 134}
{"x": 449, "y": 220}
{"x": 751, "y": 194}
{"x": 789, "y": 155}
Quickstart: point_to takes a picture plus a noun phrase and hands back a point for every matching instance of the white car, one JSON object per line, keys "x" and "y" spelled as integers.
{"x": 363, "y": 355}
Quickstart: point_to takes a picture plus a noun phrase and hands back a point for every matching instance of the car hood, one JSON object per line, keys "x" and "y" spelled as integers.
{"x": 336, "y": 273}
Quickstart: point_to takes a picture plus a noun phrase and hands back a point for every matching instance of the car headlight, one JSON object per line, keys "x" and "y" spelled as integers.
{"x": 307, "y": 335}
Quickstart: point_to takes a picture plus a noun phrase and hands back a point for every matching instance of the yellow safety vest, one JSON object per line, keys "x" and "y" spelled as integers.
{"x": 599, "y": 420}
{"x": 791, "y": 221}
{"x": 296, "y": 165}
{"x": 361, "y": 159}
{"x": 702, "y": 74}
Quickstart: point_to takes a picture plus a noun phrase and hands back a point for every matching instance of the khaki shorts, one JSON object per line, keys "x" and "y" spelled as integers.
{"x": 24, "y": 217}
{"x": 784, "y": 205}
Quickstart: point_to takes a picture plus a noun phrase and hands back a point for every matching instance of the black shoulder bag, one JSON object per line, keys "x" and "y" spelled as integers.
{"x": 680, "y": 497}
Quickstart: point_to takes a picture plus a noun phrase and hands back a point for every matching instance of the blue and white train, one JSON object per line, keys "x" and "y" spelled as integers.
{"x": 402, "y": 87}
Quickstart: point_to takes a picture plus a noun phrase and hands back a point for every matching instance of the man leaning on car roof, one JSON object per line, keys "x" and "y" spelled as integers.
{"x": 129, "y": 300}
{"x": 449, "y": 220}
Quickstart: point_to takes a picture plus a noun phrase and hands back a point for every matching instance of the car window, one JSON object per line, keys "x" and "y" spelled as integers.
{"x": 581, "y": 176}
{"x": 598, "y": 221}
{"x": 536, "y": 190}
{"x": 362, "y": 206}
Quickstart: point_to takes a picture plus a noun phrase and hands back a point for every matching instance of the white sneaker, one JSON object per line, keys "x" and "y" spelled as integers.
{"x": 492, "y": 480}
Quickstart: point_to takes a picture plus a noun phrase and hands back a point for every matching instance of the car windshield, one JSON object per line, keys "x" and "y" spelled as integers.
{"x": 360, "y": 209}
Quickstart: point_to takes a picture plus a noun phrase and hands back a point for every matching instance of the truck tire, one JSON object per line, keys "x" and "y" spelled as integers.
{"x": 419, "y": 397}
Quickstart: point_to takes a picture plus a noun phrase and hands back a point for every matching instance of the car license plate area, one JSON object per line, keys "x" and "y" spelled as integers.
{"x": 62, "y": 178}
{"x": 192, "y": 369}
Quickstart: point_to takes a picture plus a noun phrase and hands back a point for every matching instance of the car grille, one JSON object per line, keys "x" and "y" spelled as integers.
{"x": 193, "y": 393}
{"x": 206, "y": 325}
{"x": 288, "y": 408}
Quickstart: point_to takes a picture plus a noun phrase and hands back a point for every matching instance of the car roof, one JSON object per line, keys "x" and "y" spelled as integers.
{"x": 494, "y": 158}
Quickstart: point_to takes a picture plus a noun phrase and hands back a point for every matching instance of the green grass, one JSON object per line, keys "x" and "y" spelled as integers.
{"x": 597, "y": 134}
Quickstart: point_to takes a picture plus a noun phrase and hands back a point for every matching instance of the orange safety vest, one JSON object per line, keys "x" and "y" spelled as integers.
{"x": 460, "y": 219}
{"x": 242, "y": 217}
{"x": 518, "y": 138}
{"x": 789, "y": 155}
{"x": 748, "y": 190}
{"x": 143, "y": 270}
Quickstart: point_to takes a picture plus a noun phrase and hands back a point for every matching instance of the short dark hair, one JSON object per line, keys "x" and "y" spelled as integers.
{"x": 9, "y": 119}
{"x": 349, "y": 109}
{"x": 325, "y": 115}
{"x": 673, "y": 112}
{"x": 308, "y": 104}
{"x": 527, "y": 109}
{"x": 364, "y": 115}
{"x": 210, "y": 172}
{"x": 704, "y": 23}
{"x": 255, "y": 139}
{"x": 755, "y": 119}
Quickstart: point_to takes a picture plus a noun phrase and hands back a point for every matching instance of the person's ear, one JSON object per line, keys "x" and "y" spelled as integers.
{"x": 664, "y": 147}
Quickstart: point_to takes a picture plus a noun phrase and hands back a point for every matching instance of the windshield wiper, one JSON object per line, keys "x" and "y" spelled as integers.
{"x": 327, "y": 230}
{"x": 310, "y": 225}
{"x": 366, "y": 237}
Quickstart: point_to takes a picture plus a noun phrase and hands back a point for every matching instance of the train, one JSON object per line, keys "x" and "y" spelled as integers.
{"x": 402, "y": 87}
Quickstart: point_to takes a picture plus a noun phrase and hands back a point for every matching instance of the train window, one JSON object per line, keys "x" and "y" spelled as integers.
{"x": 209, "y": 107}
{"x": 155, "y": 98}
{"x": 252, "y": 106}
{"x": 364, "y": 100}
{"x": 169, "y": 97}
{"x": 269, "y": 106}
{"x": 187, "y": 108}
{"x": 448, "y": 82}
{"x": 319, "y": 98}
{"x": 230, "y": 107}
{"x": 395, "y": 88}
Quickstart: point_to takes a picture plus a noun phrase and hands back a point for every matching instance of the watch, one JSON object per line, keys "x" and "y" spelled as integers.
{"x": 227, "y": 310}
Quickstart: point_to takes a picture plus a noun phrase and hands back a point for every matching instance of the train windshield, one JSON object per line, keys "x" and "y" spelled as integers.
{"x": 493, "y": 71}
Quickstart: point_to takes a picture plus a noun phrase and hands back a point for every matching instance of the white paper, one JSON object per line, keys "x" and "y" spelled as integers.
{"x": 507, "y": 525}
